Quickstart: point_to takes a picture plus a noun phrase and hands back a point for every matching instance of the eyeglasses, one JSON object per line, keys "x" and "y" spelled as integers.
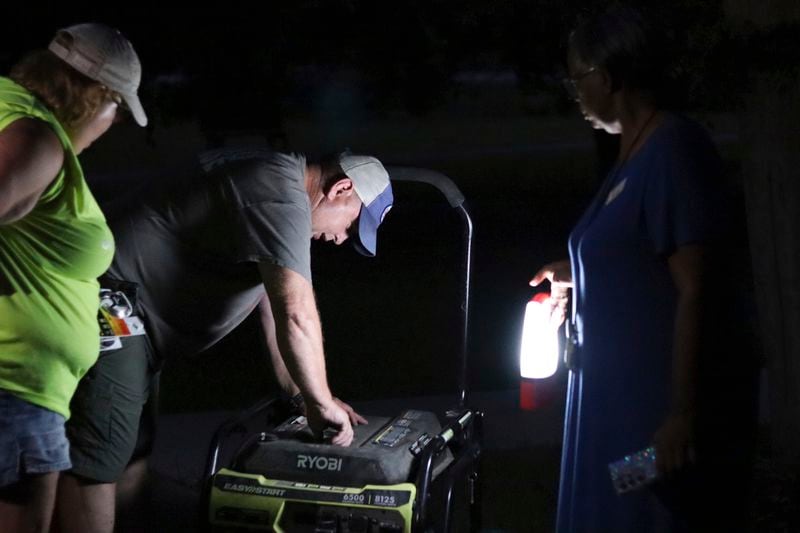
{"x": 571, "y": 83}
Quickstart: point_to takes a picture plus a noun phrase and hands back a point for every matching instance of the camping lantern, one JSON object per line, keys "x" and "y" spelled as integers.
{"x": 538, "y": 353}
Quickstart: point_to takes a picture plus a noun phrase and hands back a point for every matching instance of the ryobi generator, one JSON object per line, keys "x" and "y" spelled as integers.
{"x": 411, "y": 472}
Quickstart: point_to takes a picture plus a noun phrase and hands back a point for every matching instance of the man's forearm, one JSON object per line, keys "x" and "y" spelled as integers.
{"x": 282, "y": 374}
{"x": 301, "y": 346}
{"x": 298, "y": 337}
{"x": 297, "y": 334}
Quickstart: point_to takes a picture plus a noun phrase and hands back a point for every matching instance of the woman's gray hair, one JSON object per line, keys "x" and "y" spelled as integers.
{"x": 624, "y": 43}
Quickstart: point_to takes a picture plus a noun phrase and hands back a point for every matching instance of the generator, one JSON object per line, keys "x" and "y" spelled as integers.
{"x": 412, "y": 471}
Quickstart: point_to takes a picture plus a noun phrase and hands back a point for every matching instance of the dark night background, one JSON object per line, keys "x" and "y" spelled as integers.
{"x": 470, "y": 89}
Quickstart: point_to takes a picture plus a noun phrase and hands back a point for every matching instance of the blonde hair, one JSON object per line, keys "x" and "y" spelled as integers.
{"x": 71, "y": 96}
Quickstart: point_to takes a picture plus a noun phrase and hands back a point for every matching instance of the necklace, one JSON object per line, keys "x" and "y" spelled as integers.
{"x": 635, "y": 140}
{"x": 611, "y": 180}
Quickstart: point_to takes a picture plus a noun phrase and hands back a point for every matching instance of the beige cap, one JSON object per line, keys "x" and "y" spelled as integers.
{"x": 105, "y": 55}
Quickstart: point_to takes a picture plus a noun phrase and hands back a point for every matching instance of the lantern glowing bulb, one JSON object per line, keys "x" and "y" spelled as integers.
{"x": 538, "y": 354}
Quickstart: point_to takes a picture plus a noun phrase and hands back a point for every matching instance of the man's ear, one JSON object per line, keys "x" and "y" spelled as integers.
{"x": 342, "y": 187}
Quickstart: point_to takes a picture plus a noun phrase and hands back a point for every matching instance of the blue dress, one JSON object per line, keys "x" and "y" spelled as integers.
{"x": 619, "y": 389}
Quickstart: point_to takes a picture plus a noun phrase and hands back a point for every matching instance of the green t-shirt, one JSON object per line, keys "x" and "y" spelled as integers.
{"x": 49, "y": 264}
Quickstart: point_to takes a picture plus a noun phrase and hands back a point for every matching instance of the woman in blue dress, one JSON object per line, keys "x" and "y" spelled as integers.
{"x": 639, "y": 265}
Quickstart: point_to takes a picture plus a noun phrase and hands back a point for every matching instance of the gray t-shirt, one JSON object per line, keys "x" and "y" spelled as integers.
{"x": 193, "y": 244}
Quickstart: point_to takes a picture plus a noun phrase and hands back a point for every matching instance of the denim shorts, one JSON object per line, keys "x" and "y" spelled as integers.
{"x": 32, "y": 440}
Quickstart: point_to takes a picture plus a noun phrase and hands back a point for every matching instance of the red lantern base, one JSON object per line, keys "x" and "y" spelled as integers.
{"x": 534, "y": 393}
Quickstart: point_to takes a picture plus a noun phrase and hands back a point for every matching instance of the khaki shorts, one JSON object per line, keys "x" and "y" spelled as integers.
{"x": 107, "y": 410}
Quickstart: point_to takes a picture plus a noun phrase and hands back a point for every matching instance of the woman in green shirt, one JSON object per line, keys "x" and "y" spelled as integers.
{"x": 54, "y": 243}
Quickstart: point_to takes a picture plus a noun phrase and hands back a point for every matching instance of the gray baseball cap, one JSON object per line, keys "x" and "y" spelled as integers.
{"x": 104, "y": 55}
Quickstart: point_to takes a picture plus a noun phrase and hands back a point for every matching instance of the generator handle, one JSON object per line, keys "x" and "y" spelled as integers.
{"x": 455, "y": 198}
{"x": 436, "y": 179}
